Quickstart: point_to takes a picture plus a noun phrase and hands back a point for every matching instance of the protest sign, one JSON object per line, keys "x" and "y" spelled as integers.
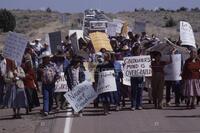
{"x": 79, "y": 33}
{"x": 137, "y": 66}
{"x": 100, "y": 40}
{"x": 106, "y": 82}
{"x": 54, "y": 39}
{"x": 187, "y": 34}
{"x": 98, "y": 25}
{"x": 119, "y": 24}
{"x": 139, "y": 27}
{"x": 125, "y": 29}
{"x": 173, "y": 70}
{"x": 81, "y": 95}
{"x": 15, "y": 45}
{"x": 74, "y": 41}
{"x": 61, "y": 84}
{"x": 111, "y": 29}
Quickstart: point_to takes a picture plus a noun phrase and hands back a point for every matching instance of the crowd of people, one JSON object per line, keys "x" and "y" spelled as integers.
{"x": 40, "y": 69}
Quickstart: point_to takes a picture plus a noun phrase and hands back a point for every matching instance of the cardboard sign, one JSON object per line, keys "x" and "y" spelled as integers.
{"x": 54, "y": 39}
{"x": 61, "y": 84}
{"x": 187, "y": 34}
{"x": 125, "y": 29}
{"x": 137, "y": 66}
{"x": 14, "y": 48}
{"x": 81, "y": 95}
{"x": 106, "y": 82}
{"x": 173, "y": 70}
{"x": 75, "y": 44}
{"x": 139, "y": 27}
{"x": 111, "y": 29}
{"x": 79, "y": 33}
{"x": 100, "y": 40}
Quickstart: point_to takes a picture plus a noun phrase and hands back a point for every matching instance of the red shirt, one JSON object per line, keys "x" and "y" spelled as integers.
{"x": 30, "y": 79}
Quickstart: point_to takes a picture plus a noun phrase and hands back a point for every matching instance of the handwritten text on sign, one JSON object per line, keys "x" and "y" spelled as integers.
{"x": 15, "y": 46}
{"x": 61, "y": 84}
{"x": 81, "y": 96}
{"x": 106, "y": 82}
{"x": 137, "y": 66}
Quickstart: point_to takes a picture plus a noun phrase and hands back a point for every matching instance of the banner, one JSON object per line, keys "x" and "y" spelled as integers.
{"x": 106, "y": 82}
{"x": 173, "y": 70}
{"x": 54, "y": 39}
{"x": 137, "y": 66}
{"x": 100, "y": 40}
{"x": 14, "y": 48}
{"x": 79, "y": 33}
{"x": 61, "y": 84}
{"x": 139, "y": 27}
{"x": 98, "y": 25}
{"x": 81, "y": 95}
{"x": 187, "y": 34}
{"x": 75, "y": 44}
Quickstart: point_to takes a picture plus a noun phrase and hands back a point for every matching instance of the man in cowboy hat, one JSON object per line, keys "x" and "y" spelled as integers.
{"x": 48, "y": 73}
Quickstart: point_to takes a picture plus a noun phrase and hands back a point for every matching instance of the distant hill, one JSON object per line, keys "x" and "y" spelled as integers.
{"x": 35, "y": 24}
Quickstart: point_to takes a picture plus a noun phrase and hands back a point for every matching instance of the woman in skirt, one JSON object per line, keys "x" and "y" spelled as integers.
{"x": 191, "y": 79}
{"x": 15, "y": 94}
{"x": 31, "y": 87}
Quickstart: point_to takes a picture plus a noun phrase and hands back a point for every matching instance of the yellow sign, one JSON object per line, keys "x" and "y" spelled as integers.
{"x": 100, "y": 40}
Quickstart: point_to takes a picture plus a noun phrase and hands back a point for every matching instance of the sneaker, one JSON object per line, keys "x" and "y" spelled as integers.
{"x": 133, "y": 108}
{"x": 118, "y": 108}
{"x": 168, "y": 104}
{"x": 140, "y": 108}
{"x": 46, "y": 114}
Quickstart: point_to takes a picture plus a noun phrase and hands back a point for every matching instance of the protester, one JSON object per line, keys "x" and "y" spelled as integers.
{"x": 191, "y": 78}
{"x": 158, "y": 79}
{"x": 137, "y": 84}
{"x": 48, "y": 75}
{"x": 2, "y": 74}
{"x": 105, "y": 98}
{"x": 74, "y": 75}
{"x": 15, "y": 94}
{"x": 31, "y": 87}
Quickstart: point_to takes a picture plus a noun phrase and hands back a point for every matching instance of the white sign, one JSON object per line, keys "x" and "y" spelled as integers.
{"x": 119, "y": 24}
{"x": 173, "y": 70}
{"x": 61, "y": 84}
{"x": 106, "y": 82}
{"x": 186, "y": 34}
{"x": 139, "y": 27}
{"x": 111, "y": 29}
{"x": 81, "y": 95}
{"x": 137, "y": 66}
{"x": 98, "y": 25}
{"x": 79, "y": 33}
{"x": 15, "y": 45}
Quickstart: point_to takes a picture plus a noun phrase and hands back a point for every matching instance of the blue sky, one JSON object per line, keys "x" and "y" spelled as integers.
{"x": 106, "y": 5}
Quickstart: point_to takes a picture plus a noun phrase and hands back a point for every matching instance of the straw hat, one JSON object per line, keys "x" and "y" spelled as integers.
{"x": 46, "y": 54}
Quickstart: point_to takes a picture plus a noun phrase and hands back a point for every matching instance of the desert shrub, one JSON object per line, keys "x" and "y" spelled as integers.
{"x": 170, "y": 23}
{"x": 7, "y": 20}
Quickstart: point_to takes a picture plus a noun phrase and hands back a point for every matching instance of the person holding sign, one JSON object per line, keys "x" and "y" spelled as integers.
{"x": 137, "y": 84}
{"x": 191, "y": 78}
{"x": 105, "y": 97}
{"x": 75, "y": 75}
{"x": 158, "y": 78}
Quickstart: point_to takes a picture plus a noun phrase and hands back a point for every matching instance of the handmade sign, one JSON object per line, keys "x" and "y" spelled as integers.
{"x": 98, "y": 25}
{"x": 74, "y": 41}
{"x": 81, "y": 95}
{"x": 137, "y": 66}
{"x": 100, "y": 40}
{"x": 187, "y": 34}
{"x": 54, "y": 39}
{"x": 139, "y": 27}
{"x": 119, "y": 24}
{"x": 61, "y": 84}
{"x": 15, "y": 45}
{"x": 173, "y": 70}
{"x": 79, "y": 33}
{"x": 111, "y": 29}
{"x": 106, "y": 82}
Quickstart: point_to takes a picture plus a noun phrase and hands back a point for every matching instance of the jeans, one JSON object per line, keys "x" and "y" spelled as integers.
{"x": 136, "y": 90}
{"x": 117, "y": 94}
{"x": 176, "y": 87}
{"x": 1, "y": 92}
{"x": 48, "y": 91}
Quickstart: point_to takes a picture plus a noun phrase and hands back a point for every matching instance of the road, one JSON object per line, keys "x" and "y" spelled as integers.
{"x": 169, "y": 120}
